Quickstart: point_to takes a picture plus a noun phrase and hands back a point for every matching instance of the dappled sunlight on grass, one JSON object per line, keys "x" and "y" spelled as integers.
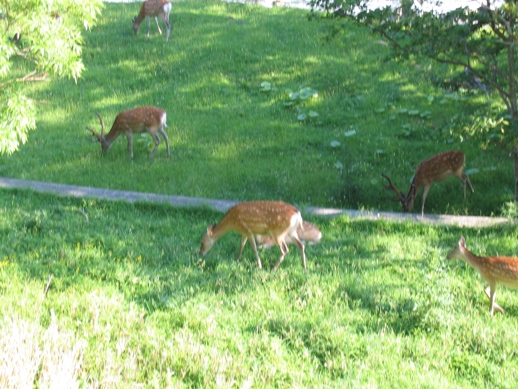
{"x": 123, "y": 292}
{"x": 208, "y": 79}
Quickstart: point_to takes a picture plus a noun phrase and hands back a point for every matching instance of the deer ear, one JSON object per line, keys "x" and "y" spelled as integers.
{"x": 210, "y": 229}
{"x": 462, "y": 242}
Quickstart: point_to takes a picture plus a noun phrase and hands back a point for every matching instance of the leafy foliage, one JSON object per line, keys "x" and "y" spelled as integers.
{"x": 480, "y": 41}
{"x": 16, "y": 118}
{"x": 46, "y": 37}
{"x": 297, "y": 99}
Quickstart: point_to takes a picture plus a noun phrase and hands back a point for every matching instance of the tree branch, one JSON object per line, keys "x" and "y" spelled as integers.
{"x": 32, "y": 76}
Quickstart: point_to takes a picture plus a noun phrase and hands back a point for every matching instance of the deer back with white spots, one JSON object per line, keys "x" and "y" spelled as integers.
{"x": 157, "y": 9}
{"x": 137, "y": 120}
{"x": 435, "y": 169}
{"x": 274, "y": 218}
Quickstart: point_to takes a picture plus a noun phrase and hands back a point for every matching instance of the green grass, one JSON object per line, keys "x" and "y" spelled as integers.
{"x": 232, "y": 141}
{"x": 131, "y": 302}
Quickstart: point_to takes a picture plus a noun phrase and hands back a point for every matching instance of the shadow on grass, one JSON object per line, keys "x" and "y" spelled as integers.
{"x": 229, "y": 139}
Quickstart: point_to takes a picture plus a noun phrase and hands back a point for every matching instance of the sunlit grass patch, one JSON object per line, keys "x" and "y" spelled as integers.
{"x": 209, "y": 79}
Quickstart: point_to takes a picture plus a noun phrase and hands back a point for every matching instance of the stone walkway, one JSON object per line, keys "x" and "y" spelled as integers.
{"x": 224, "y": 205}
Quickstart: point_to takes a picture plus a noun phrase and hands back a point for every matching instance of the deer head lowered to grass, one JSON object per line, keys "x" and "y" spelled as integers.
{"x": 435, "y": 169}
{"x": 274, "y": 218}
{"x": 137, "y": 120}
{"x": 153, "y": 8}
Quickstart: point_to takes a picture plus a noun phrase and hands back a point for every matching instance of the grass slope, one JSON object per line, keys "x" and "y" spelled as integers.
{"x": 131, "y": 303}
{"x": 230, "y": 140}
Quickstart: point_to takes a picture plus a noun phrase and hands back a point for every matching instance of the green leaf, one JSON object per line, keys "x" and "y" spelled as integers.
{"x": 306, "y": 93}
{"x": 266, "y": 86}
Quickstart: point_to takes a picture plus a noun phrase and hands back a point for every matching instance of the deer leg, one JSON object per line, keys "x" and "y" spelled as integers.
{"x": 465, "y": 178}
{"x": 300, "y": 246}
{"x": 279, "y": 262}
{"x": 469, "y": 183}
{"x": 130, "y": 144}
{"x": 425, "y": 193}
{"x": 492, "y": 300}
{"x": 148, "y": 25}
{"x": 254, "y": 246}
{"x": 284, "y": 250}
{"x": 157, "y": 26}
{"x": 157, "y": 142}
{"x": 165, "y": 19}
{"x": 244, "y": 238}
{"x": 241, "y": 245}
{"x": 488, "y": 291}
{"x": 166, "y": 139}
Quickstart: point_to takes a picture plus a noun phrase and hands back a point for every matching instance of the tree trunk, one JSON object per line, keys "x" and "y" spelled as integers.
{"x": 511, "y": 60}
{"x": 515, "y": 155}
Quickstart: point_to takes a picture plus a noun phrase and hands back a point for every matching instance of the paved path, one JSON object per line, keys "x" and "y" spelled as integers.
{"x": 224, "y": 205}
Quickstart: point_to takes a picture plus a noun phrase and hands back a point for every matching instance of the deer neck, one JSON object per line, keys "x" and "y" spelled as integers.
{"x": 110, "y": 137}
{"x": 408, "y": 202}
{"x": 221, "y": 229}
{"x": 107, "y": 140}
{"x": 140, "y": 17}
{"x": 471, "y": 259}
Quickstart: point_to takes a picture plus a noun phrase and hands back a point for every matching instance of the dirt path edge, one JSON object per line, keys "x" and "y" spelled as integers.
{"x": 224, "y": 205}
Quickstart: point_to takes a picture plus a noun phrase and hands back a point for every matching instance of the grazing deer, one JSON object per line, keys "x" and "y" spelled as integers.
{"x": 137, "y": 120}
{"x": 155, "y": 8}
{"x": 308, "y": 232}
{"x": 274, "y": 218}
{"x": 494, "y": 270}
{"x": 435, "y": 169}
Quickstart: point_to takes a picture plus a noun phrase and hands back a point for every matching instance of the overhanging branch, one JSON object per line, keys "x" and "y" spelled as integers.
{"x": 32, "y": 76}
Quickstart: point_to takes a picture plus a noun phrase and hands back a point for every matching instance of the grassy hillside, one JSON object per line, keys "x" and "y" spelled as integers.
{"x": 113, "y": 295}
{"x": 232, "y": 136}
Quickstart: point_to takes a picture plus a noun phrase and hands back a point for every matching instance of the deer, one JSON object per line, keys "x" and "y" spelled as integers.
{"x": 308, "y": 232}
{"x": 137, "y": 120}
{"x": 153, "y": 8}
{"x": 275, "y": 218}
{"x": 494, "y": 270}
{"x": 432, "y": 170}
